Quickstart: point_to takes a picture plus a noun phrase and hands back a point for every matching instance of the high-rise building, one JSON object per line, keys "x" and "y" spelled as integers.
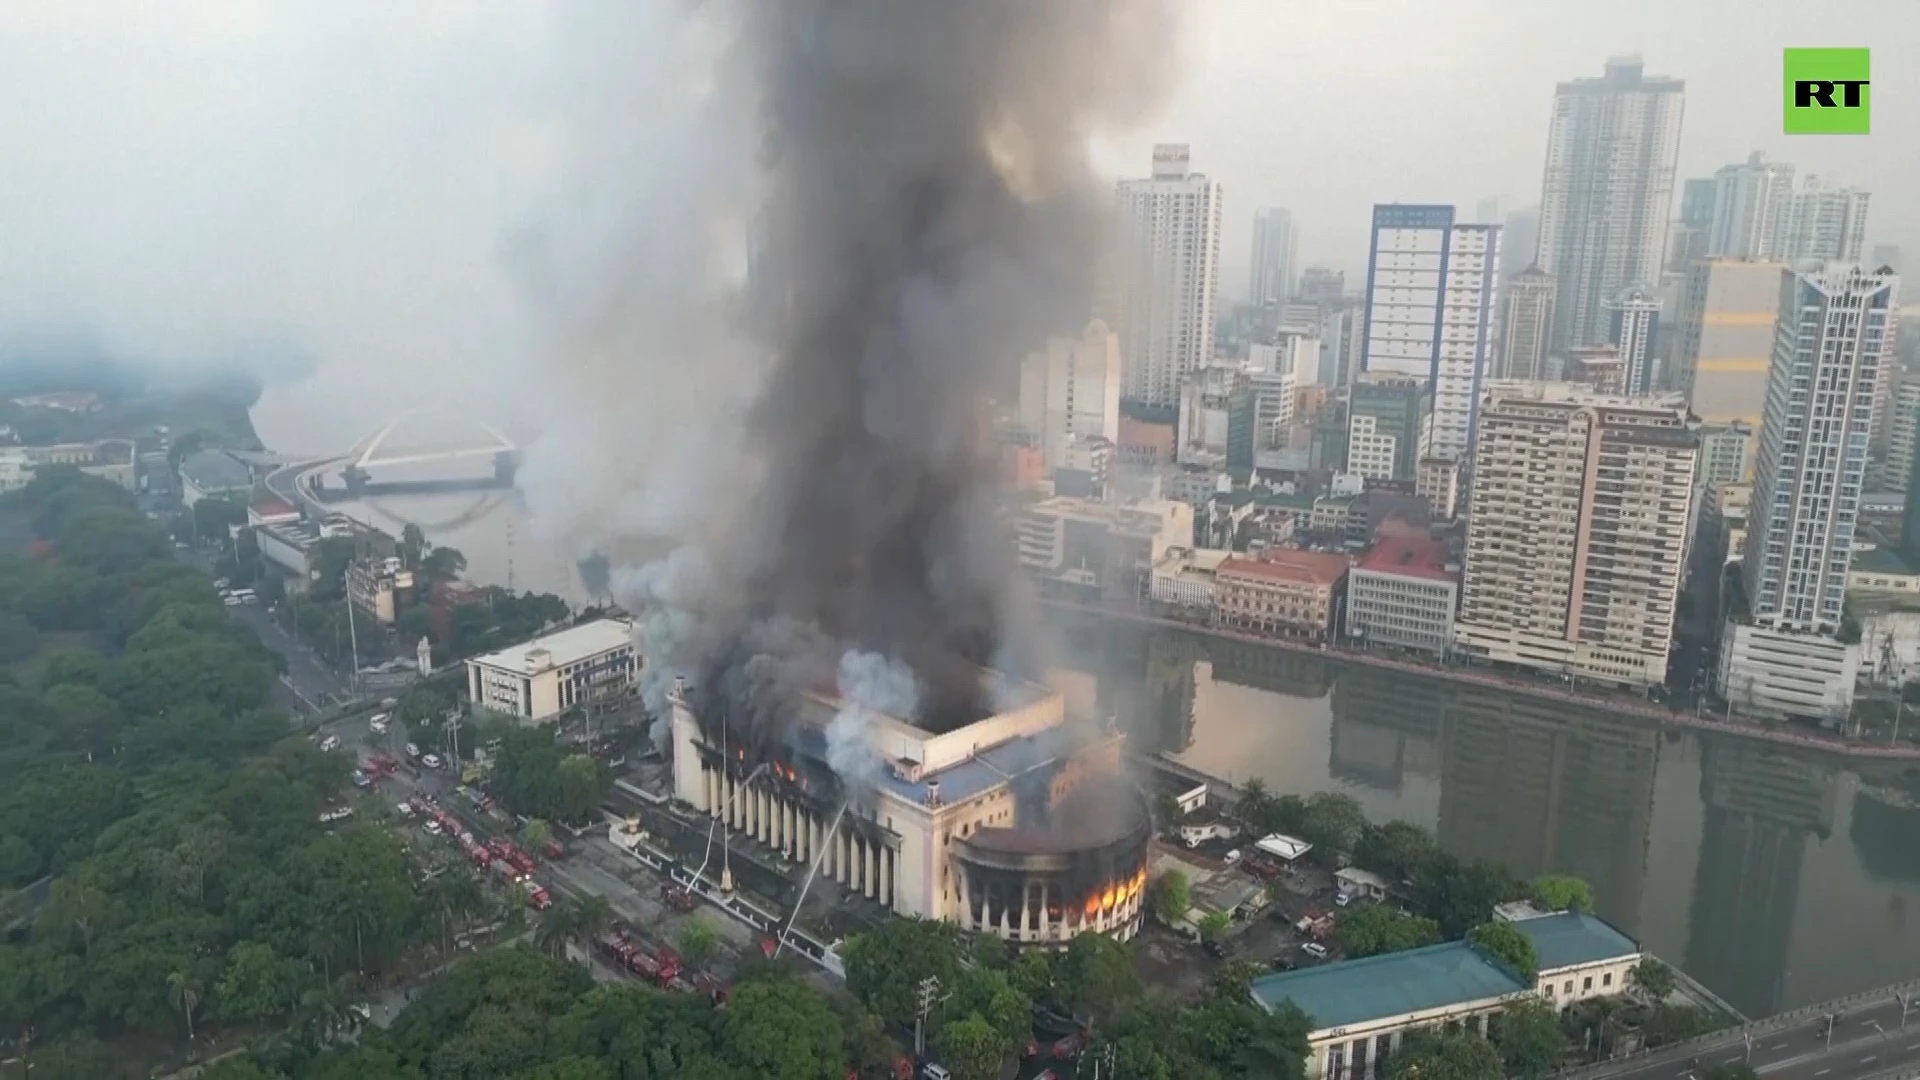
{"x": 1383, "y": 427}
{"x": 1275, "y": 246}
{"x": 1784, "y": 652}
{"x": 1903, "y": 434}
{"x": 1320, "y": 285}
{"x": 1519, "y": 234}
{"x": 1215, "y": 429}
{"x": 1752, "y": 203}
{"x": 1826, "y": 223}
{"x": 1726, "y": 454}
{"x": 1633, "y": 322}
{"x": 1607, "y": 191}
{"x": 1071, "y": 390}
{"x": 1687, "y": 241}
{"x": 1577, "y": 532}
{"x": 1727, "y": 313}
{"x": 1165, "y": 276}
{"x": 1525, "y": 327}
{"x": 1429, "y": 311}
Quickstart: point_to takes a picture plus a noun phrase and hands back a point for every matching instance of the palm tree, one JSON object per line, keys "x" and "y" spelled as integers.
{"x": 1255, "y": 805}
{"x": 184, "y": 993}
{"x": 1604, "y": 1013}
{"x": 594, "y": 916}
{"x": 557, "y": 924}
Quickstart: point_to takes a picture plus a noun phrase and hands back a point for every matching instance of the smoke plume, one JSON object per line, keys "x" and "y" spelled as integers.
{"x": 812, "y": 471}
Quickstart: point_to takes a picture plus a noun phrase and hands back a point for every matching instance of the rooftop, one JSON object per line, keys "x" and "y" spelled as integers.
{"x": 569, "y": 646}
{"x": 216, "y": 470}
{"x": 982, "y": 772}
{"x": 1572, "y": 938}
{"x": 269, "y": 506}
{"x": 1409, "y": 556}
{"x": 1883, "y": 560}
{"x": 1286, "y": 564}
{"x": 1393, "y": 984}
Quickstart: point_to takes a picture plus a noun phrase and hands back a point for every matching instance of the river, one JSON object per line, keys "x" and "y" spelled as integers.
{"x": 1777, "y": 877}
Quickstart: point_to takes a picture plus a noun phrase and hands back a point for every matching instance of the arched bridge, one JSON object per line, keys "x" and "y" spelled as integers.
{"x": 361, "y": 466}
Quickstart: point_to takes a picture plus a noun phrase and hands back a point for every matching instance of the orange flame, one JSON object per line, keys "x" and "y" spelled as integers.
{"x": 1093, "y": 907}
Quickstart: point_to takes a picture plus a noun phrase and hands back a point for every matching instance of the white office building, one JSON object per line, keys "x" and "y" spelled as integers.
{"x": 1833, "y": 334}
{"x": 1429, "y": 312}
{"x": 1526, "y": 327}
{"x": 1607, "y": 190}
{"x": 1752, "y": 202}
{"x": 540, "y": 679}
{"x": 1166, "y": 276}
{"x": 1070, "y": 391}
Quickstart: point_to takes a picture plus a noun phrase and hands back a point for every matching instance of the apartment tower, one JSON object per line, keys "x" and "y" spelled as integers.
{"x": 1166, "y": 276}
{"x": 1577, "y": 532}
{"x": 1070, "y": 391}
{"x": 1752, "y": 202}
{"x": 1633, "y": 323}
{"x": 1429, "y": 312}
{"x": 1727, "y": 311}
{"x": 1784, "y": 651}
{"x": 1607, "y": 191}
{"x": 1275, "y": 246}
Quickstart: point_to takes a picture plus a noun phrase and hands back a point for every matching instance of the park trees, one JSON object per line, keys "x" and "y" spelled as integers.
{"x": 1372, "y": 929}
{"x": 1509, "y": 946}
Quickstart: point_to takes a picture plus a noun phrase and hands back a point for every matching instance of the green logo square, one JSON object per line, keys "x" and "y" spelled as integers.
{"x": 1826, "y": 92}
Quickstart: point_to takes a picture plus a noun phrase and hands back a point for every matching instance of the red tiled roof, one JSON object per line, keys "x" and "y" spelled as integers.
{"x": 1317, "y": 567}
{"x": 1410, "y": 556}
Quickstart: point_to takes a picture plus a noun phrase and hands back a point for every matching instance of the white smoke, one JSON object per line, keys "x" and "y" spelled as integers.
{"x": 871, "y": 685}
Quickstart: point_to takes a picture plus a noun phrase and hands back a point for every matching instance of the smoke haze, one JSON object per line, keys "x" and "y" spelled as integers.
{"x": 816, "y": 489}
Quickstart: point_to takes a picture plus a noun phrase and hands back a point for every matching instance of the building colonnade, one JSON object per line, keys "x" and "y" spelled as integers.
{"x": 762, "y": 813}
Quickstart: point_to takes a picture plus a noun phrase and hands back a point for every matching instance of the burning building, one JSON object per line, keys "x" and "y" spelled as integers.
{"x": 1018, "y": 823}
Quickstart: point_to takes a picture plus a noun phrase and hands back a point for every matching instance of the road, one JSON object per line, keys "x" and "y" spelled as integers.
{"x": 1867, "y": 1041}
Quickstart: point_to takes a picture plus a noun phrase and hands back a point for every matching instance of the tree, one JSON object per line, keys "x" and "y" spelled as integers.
{"x": 1509, "y": 946}
{"x": 886, "y": 965}
{"x": 1254, "y": 807}
{"x": 1530, "y": 1040}
{"x": 1213, "y": 925}
{"x": 1372, "y": 929}
{"x": 1095, "y": 975}
{"x": 1562, "y": 892}
{"x": 1653, "y": 979}
{"x": 1172, "y": 897}
{"x": 1604, "y": 1016}
{"x": 1396, "y": 850}
{"x": 1333, "y": 823}
{"x": 413, "y": 545}
{"x": 699, "y": 941}
{"x": 782, "y": 1028}
{"x": 1031, "y": 973}
{"x": 184, "y": 993}
{"x": 1231, "y": 982}
{"x": 971, "y": 1049}
{"x": 536, "y": 832}
{"x": 556, "y": 927}
{"x": 1670, "y": 1023}
{"x": 1464, "y": 1056}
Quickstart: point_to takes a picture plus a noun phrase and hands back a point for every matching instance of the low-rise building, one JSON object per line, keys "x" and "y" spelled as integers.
{"x": 1403, "y": 594}
{"x": 269, "y": 510}
{"x": 539, "y": 680}
{"x": 112, "y": 460}
{"x": 294, "y": 547}
{"x": 1438, "y": 482}
{"x": 1362, "y": 883}
{"x": 1882, "y": 570}
{"x": 379, "y": 587}
{"x": 204, "y": 473}
{"x": 1288, "y": 593}
{"x": 1184, "y": 577}
{"x": 1784, "y": 674}
{"x": 1363, "y": 1010}
{"x": 1091, "y": 548}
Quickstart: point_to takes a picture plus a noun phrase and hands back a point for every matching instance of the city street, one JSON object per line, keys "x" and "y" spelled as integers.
{"x": 1867, "y": 1041}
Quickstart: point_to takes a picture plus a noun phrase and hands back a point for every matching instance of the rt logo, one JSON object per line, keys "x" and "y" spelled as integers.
{"x": 1826, "y": 92}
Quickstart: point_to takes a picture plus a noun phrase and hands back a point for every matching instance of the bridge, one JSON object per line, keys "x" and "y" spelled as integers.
{"x": 302, "y": 482}
{"x": 1870, "y": 1036}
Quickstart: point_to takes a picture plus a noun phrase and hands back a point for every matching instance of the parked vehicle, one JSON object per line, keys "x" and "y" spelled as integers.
{"x": 676, "y": 896}
{"x": 431, "y": 761}
{"x": 413, "y": 752}
{"x": 329, "y": 744}
{"x": 361, "y": 779}
{"x": 1069, "y": 1048}
{"x": 1315, "y": 950}
{"x": 540, "y": 898}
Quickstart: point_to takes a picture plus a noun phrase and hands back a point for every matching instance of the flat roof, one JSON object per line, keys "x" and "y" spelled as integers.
{"x": 1572, "y": 938}
{"x": 271, "y": 506}
{"x": 1283, "y": 846}
{"x": 1409, "y": 556}
{"x": 1883, "y": 560}
{"x": 982, "y": 772}
{"x": 1393, "y": 984}
{"x": 569, "y": 646}
{"x": 215, "y": 469}
{"x": 1287, "y": 564}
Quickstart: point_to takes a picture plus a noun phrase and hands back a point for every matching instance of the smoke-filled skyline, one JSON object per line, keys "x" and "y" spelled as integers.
{"x": 929, "y": 216}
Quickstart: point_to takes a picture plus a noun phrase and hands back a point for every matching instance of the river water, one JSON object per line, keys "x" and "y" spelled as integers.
{"x": 1776, "y": 877}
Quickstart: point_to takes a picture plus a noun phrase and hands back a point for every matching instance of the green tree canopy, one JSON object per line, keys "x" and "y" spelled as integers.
{"x": 1562, "y": 892}
{"x": 1445, "y": 1057}
{"x": 1509, "y": 946}
{"x": 1372, "y": 929}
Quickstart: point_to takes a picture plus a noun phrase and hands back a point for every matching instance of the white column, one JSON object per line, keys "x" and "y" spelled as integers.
{"x": 873, "y": 872}
{"x": 792, "y": 837}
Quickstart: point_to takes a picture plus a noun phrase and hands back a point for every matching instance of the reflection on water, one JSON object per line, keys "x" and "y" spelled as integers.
{"x": 1776, "y": 877}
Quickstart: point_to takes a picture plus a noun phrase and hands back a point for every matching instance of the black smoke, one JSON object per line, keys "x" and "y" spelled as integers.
{"x": 929, "y": 217}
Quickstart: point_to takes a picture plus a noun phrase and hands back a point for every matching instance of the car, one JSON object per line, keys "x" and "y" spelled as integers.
{"x": 329, "y": 744}
{"x": 1342, "y": 900}
{"x": 1233, "y": 856}
{"x": 1281, "y": 963}
{"x": 1216, "y": 948}
{"x": 431, "y": 761}
{"x": 361, "y": 779}
{"x": 378, "y": 725}
{"x": 413, "y": 751}
{"x": 432, "y": 827}
{"x": 405, "y": 809}
{"x": 935, "y": 1072}
{"x": 1315, "y": 950}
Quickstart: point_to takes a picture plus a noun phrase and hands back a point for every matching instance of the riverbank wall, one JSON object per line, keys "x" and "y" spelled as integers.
{"x": 1616, "y": 703}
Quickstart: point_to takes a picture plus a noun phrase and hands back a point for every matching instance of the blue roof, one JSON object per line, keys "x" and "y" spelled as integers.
{"x": 1393, "y": 984}
{"x": 1571, "y": 938}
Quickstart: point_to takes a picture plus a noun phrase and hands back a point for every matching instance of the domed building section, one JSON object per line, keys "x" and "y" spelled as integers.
{"x": 1078, "y": 863}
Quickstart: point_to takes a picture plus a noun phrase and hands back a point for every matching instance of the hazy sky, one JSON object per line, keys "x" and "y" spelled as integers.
{"x": 356, "y": 178}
